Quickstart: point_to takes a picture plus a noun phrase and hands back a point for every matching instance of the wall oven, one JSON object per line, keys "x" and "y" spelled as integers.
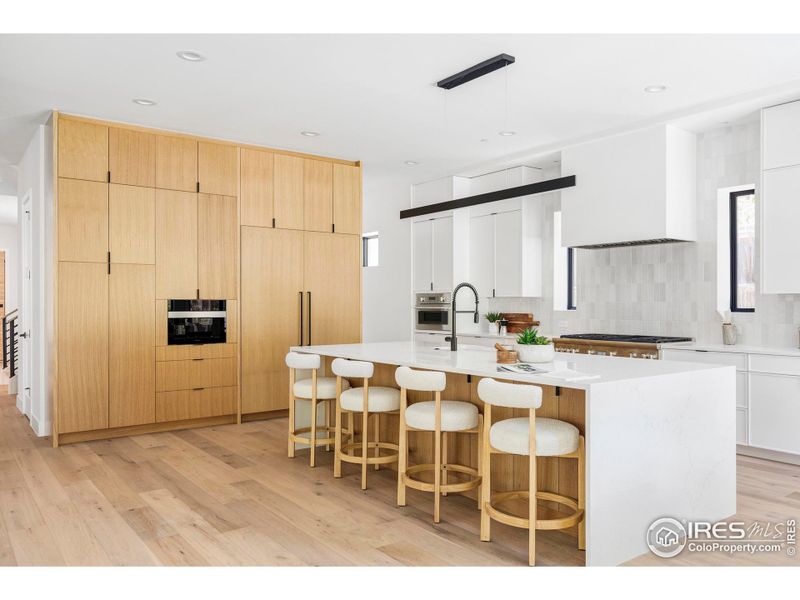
{"x": 432, "y": 311}
{"x": 196, "y": 322}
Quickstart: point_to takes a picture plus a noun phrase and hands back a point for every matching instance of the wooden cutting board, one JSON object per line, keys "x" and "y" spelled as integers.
{"x": 518, "y": 322}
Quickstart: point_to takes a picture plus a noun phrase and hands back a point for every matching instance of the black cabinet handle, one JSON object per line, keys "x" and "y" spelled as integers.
{"x": 309, "y": 318}
{"x": 301, "y": 317}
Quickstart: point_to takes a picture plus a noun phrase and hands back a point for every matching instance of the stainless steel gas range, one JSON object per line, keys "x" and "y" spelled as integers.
{"x": 610, "y": 344}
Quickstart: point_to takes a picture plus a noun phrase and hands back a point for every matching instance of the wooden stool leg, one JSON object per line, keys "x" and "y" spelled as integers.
{"x": 352, "y": 432}
{"x": 486, "y": 475}
{"x": 402, "y": 453}
{"x": 364, "y": 447}
{"x": 532, "y": 487}
{"x": 313, "y": 433}
{"x": 291, "y": 413}
{"x": 377, "y": 426}
{"x": 444, "y": 460}
{"x": 479, "y": 491}
{"x": 337, "y": 432}
{"x": 582, "y": 493}
{"x": 437, "y": 475}
{"x": 327, "y": 423}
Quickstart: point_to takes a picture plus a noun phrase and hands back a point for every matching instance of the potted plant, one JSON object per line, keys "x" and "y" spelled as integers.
{"x": 494, "y": 321}
{"x": 534, "y": 348}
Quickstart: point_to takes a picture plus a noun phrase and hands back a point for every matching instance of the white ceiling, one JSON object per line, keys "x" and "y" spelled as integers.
{"x": 373, "y": 97}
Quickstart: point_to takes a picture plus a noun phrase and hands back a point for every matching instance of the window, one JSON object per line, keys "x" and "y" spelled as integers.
{"x": 572, "y": 289}
{"x": 564, "y": 286}
{"x": 370, "y": 249}
{"x": 742, "y": 249}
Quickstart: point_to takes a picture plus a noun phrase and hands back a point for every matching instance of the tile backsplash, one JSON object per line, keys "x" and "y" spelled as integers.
{"x": 668, "y": 289}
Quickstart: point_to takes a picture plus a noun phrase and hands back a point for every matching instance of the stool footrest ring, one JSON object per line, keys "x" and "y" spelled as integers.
{"x": 513, "y": 520}
{"x": 356, "y": 458}
{"x": 425, "y": 486}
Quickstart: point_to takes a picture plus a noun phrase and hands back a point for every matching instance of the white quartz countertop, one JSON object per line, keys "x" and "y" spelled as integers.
{"x": 736, "y": 348}
{"x": 481, "y": 362}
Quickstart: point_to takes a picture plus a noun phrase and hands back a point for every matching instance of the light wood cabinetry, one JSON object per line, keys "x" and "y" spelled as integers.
{"x": 317, "y": 195}
{"x": 347, "y": 199}
{"x": 176, "y": 163}
{"x": 257, "y": 191}
{"x": 145, "y": 216}
{"x": 217, "y": 251}
{"x": 332, "y": 277}
{"x": 82, "y": 220}
{"x": 82, "y": 354}
{"x": 272, "y": 295}
{"x": 82, "y": 150}
{"x": 218, "y": 169}
{"x": 131, "y": 157}
{"x": 132, "y": 224}
{"x": 131, "y": 356}
{"x": 176, "y": 244}
{"x": 288, "y": 174}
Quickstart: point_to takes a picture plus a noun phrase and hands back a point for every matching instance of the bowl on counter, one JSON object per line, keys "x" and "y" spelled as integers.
{"x": 533, "y": 353}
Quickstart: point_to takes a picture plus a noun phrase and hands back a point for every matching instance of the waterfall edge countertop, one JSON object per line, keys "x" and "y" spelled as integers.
{"x": 660, "y": 435}
{"x": 481, "y": 362}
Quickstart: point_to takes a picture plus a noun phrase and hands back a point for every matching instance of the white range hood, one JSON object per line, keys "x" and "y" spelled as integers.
{"x": 631, "y": 189}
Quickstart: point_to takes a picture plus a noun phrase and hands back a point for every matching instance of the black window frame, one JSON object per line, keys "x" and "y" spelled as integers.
{"x": 733, "y": 257}
{"x": 364, "y": 252}
{"x": 571, "y": 279}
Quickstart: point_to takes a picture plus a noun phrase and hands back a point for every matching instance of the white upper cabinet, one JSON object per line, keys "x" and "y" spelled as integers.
{"x": 508, "y": 253}
{"x": 481, "y": 254}
{"x": 779, "y": 199}
{"x": 433, "y": 254}
{"x": 780, "y": 127}
{"x": 630, "y": 188}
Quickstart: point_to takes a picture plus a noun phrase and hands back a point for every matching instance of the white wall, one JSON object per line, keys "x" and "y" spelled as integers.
{"x": 387, "y": 288}
{"x": 9, "y": 242}
{"x": 35, "y": 176}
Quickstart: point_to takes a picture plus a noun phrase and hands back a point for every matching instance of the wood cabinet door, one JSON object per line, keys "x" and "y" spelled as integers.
{"x": 82, "y": 150}
{"x": 218, "y": 169}
{"x": 82, "y": 220}
{"x": 176, "y": 163}
{"x": 176, "y": 244}
{"x": 82, "y": 347}
{"x": 288, "y": 191}
{"x": 317, "y": 195}
{"x": 347, "y": 199}
{"x": 272, "y": 288}
{"x": 132, "y": 157}
{"x": 217, "y": 264}
{"x": 132, "y": 341}
{"x": 132, "y": 224}
{"x": 332, "y": 275}
{"x": 257, "y": 187}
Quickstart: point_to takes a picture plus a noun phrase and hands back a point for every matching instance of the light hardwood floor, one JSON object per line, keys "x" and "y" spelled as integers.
{"x": 228, "y": 495}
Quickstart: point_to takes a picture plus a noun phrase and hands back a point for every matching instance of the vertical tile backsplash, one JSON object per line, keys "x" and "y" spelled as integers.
{"x": 667, "y": 289}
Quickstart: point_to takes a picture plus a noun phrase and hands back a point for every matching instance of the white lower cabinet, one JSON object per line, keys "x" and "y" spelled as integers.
{"x": 741, "y": 427}
{"x": 775, "y": 412}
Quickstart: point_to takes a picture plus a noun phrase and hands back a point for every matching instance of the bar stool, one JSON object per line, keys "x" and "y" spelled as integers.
{"x": 378, "y": 400}
{"x": 440, "y": 417}
{"x": 314, "y": 389}
{"x": 528, "y": 436}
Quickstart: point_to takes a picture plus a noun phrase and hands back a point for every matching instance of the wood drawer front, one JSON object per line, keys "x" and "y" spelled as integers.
{"x": 775, "y": 412}
{"x": 782, "y": 365}
{"x": 198, "y": 373}
{"x": 715, "y": 358}
{"x": 195, "y": 404}
{"x": 190, "y": 352}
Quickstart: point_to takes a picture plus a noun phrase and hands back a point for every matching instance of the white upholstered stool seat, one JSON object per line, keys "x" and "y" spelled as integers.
{"x": 553, "y": 437}
{"x": 326, "y": 388}
{"x": 381, "y": 399}
{"x": 456, "y": 416}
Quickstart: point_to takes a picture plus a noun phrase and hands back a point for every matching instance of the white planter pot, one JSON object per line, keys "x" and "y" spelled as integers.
{"x": 494, "y": 327}
{"x": 536, "y": 354}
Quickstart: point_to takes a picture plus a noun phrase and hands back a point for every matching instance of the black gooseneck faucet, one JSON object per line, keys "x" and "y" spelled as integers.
{"x": 476, "y": 318}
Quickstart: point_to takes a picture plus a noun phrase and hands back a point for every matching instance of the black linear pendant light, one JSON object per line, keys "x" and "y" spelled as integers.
{"x": 475, "y": 71}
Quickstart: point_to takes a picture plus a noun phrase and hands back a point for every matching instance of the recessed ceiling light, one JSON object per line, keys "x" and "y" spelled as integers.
{"x": 655, "y": 89}
{"x": 144, "y": 102}
{"x": 411, "y": 163}
{"x": 309, "y": 133}
{"x": 191, "y": 56}
{"x": 507, "y": 133}
{"x": 484, "y": 139}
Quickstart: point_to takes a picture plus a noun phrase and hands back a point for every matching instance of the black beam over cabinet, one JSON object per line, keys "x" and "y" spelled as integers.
{"x": 523, "y": 190}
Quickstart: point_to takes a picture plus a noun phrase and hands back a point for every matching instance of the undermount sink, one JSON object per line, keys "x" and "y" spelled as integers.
{"x": 463, "y": 347}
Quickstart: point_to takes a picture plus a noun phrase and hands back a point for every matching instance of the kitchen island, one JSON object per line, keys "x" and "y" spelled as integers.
{"x": 660, "y": 435}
